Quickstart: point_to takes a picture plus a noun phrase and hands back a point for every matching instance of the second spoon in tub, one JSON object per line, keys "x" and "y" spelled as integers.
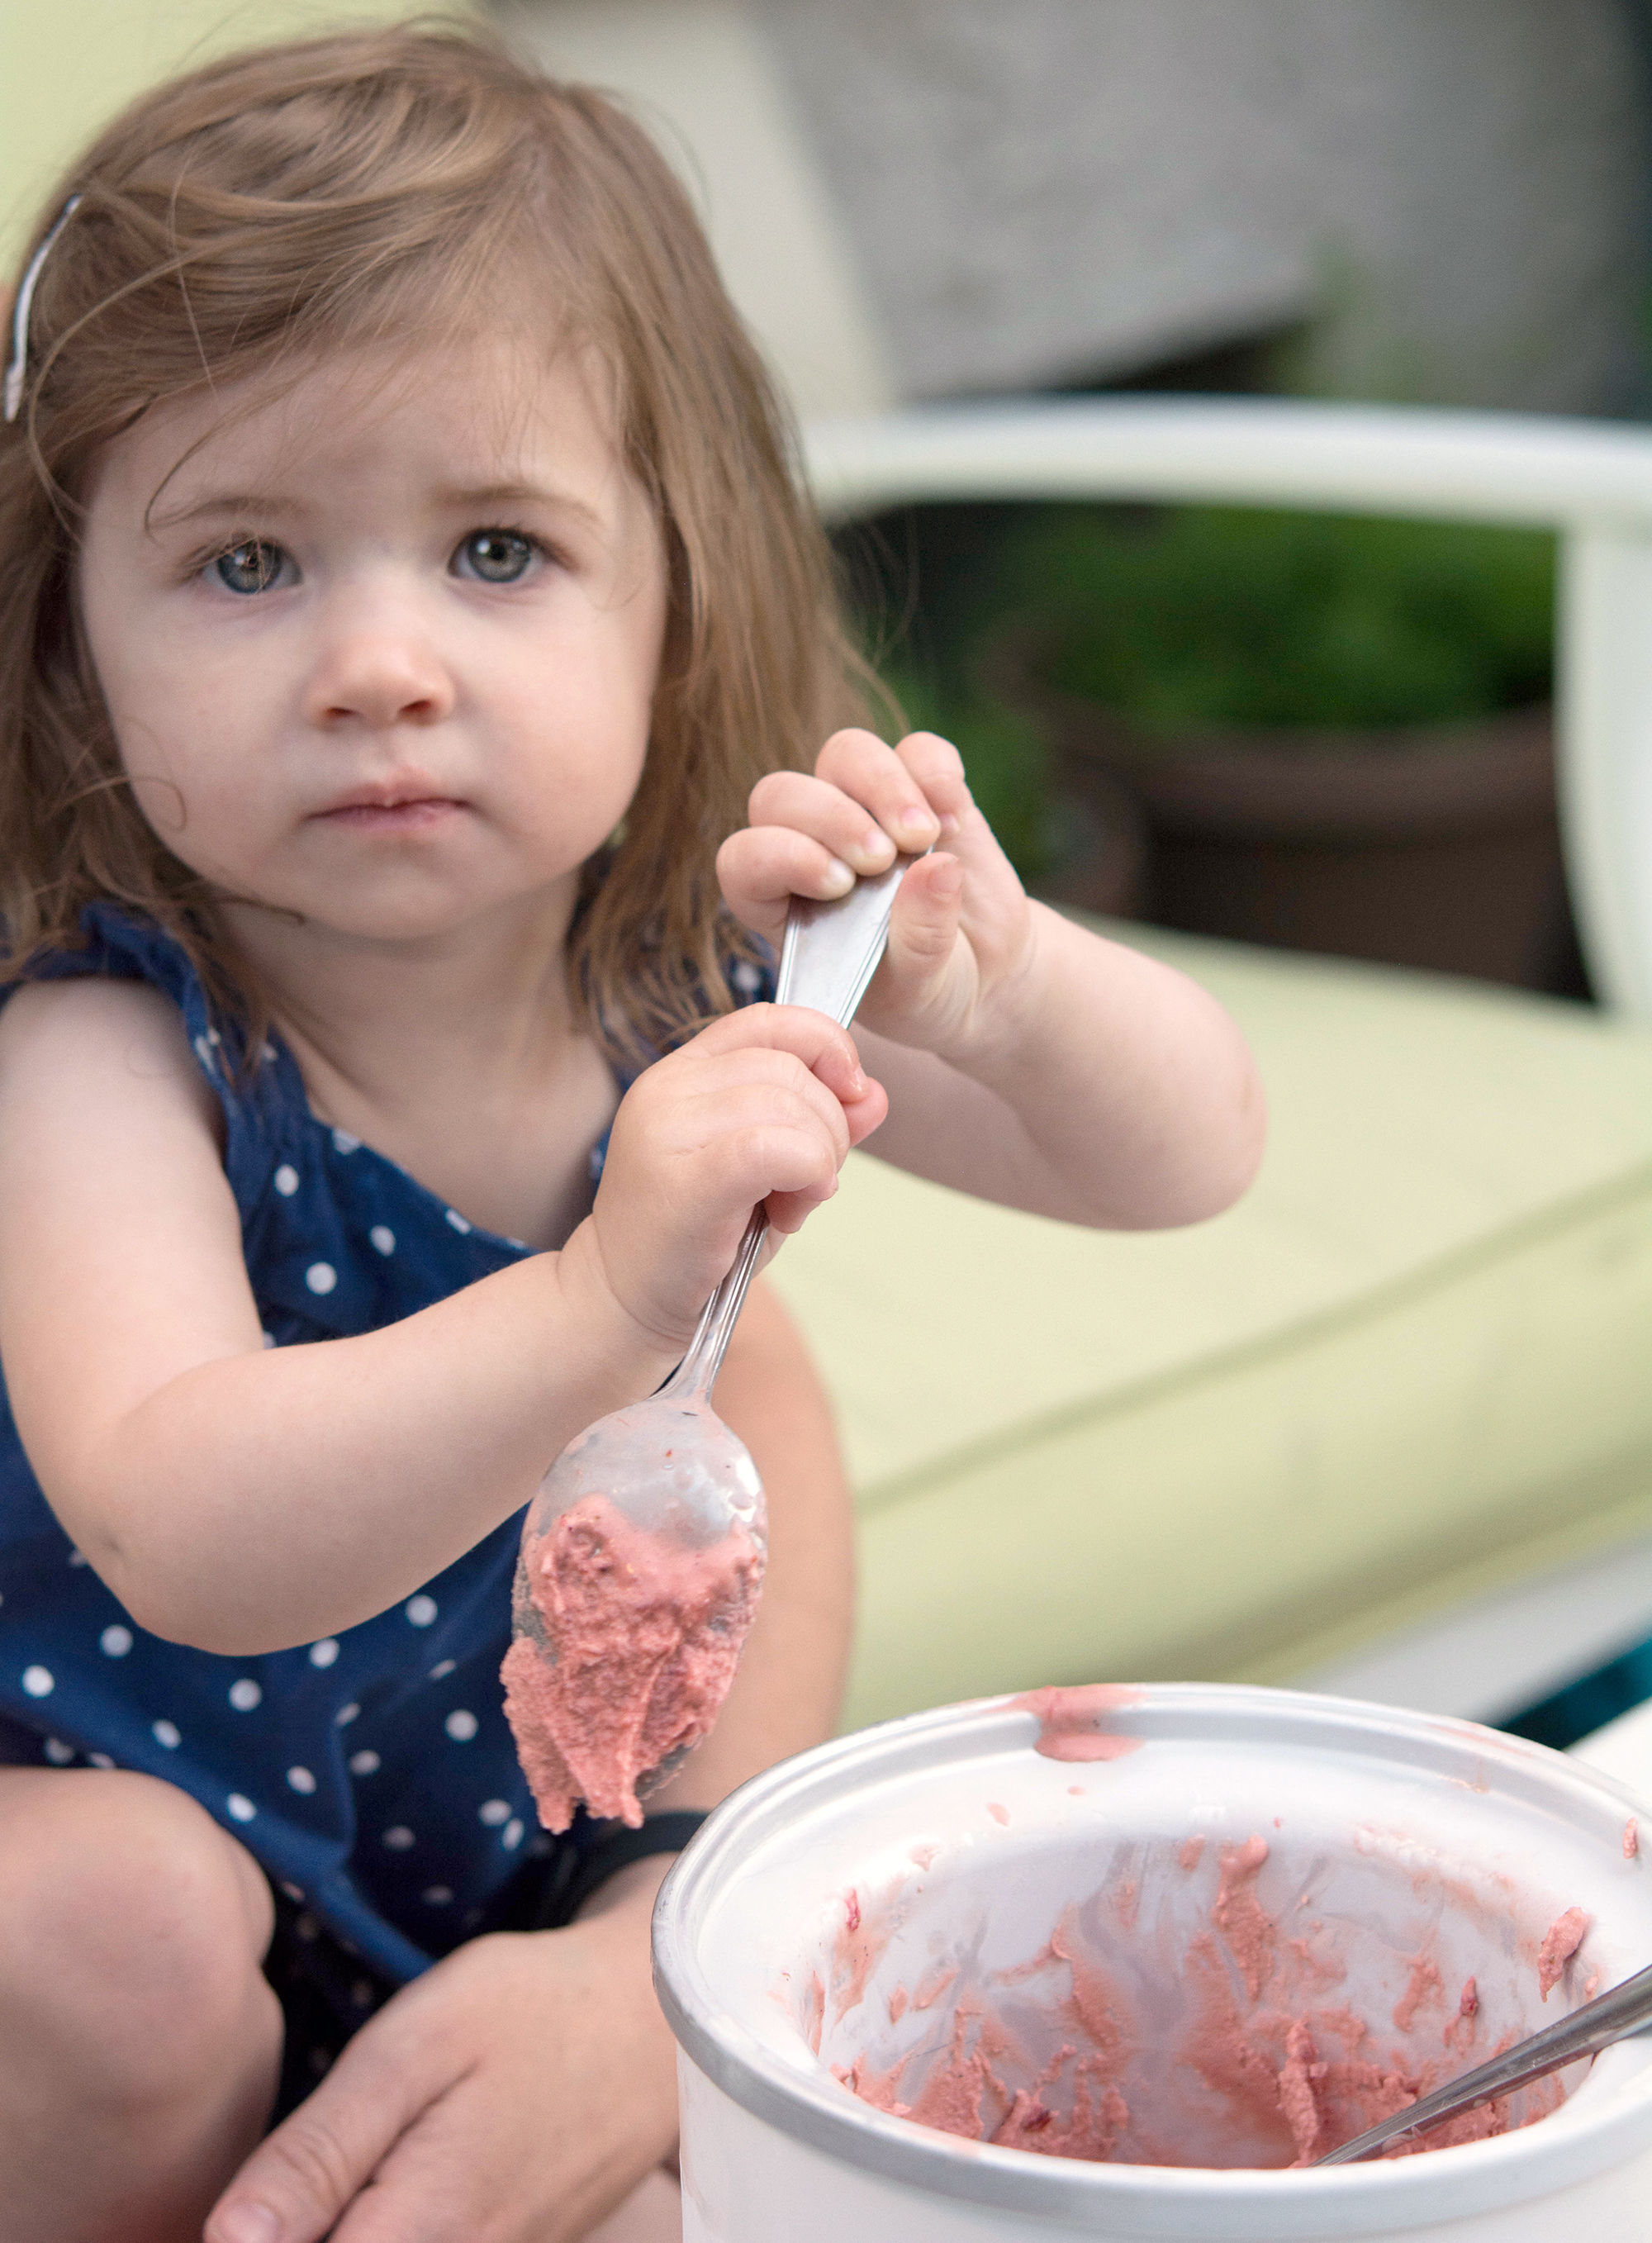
{"x": 642, "y": 1553}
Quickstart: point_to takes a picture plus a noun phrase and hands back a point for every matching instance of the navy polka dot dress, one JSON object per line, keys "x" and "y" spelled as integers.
{"x": 371, "y": 1773}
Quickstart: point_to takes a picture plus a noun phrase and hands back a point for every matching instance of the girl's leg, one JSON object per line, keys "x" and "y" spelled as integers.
{"x": 139, "y": 2043}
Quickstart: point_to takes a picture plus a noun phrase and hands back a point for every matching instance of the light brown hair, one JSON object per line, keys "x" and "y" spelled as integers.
{"x": 297, "y": 201}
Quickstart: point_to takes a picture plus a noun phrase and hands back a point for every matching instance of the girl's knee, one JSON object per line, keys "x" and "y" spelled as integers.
{"x": 135, "y": 1926}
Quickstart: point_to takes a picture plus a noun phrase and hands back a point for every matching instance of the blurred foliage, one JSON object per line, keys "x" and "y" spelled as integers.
{"x": 1200, "y": 618}
{"x": 1189, "y": 619}
{"x": 1002, "y": 751}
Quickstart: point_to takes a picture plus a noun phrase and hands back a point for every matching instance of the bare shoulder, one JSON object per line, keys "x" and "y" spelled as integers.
{"x": 85, "y": 1044}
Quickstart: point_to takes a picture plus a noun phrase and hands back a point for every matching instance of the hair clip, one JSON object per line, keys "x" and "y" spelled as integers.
{"x": 18, "y": 366}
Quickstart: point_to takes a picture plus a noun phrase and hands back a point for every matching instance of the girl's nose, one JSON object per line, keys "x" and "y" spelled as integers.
{"x": 378, "y": 674}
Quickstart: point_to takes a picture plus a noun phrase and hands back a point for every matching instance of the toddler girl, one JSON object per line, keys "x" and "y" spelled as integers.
{"x": 404, "y": 591}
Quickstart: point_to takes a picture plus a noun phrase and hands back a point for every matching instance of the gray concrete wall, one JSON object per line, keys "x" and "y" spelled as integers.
{"x": 923, "y": 197}
{"x": 1450, "y": 191}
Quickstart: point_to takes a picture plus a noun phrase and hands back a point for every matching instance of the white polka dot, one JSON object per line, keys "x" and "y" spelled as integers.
{"x": 292, "y": 1891}
{"x": 116, "y": 1641}
{"x": 421, "y": 1610}
{"x": 301, "y": 1779}
{"x": 343, "y": 1142}
{"x": 457, "y": 1220}
{"x": 746, "y": 976}
{"x": 58, "y": 1753}
{"x": 494, "y": 1811}
{"x": 437, "y": 1895}
{"x": 38, "y": 1681}
{"x": 461, "y": 1726}
{"x": 398, "y": 1837}
{"x": 76, "y": 1557}
{"x": 443, "y": 1669}
{"x": 345, "y": 1715}
{"x": 364, "y": 1763}
{"x": 321, "y": 1276}
{"x": 203, "y": 1053}
{"x": 214, "y": 1038}
{"x": 245, "y": 1694}
{"x": 266, "y": 1055}
{"x": 285, "y": 1179}
{"x": 270, "y": 1340}
{"x": 324, "y": 1654}
{"x": 383, "y": 1237}
{"x": 99, "y": 1760}
{"x": 240, "y": 1806}
{"x": 164, "y": 1733}
{"x": 514, "y": 1831}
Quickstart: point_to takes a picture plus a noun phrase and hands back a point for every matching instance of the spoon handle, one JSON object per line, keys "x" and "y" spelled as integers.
{"x": 1622, "y": 2010}
{"x": 829, "y": 953}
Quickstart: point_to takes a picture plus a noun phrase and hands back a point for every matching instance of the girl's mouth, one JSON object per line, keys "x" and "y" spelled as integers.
{"x": 373, "y": 812}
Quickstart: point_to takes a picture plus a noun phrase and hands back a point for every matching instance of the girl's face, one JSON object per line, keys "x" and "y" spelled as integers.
{"x": 381, "y": 651}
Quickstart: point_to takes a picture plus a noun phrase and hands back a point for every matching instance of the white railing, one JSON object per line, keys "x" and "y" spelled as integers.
{"x": 1590, "y": 481}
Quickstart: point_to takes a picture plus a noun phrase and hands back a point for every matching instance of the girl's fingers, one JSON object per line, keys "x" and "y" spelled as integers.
{"x": 827, "y": 814}
{"x": 937, "y": 768}
{"x": 825, "y": 1049}
{"x": 298, "y": 2183}
{"x": 923, "y": 928}
{"x": 760, "y": 868}
{"x": 915, "y": 792}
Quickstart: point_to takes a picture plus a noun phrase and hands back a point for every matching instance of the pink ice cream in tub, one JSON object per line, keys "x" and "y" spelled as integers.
{"x": 1123, "y": 1962}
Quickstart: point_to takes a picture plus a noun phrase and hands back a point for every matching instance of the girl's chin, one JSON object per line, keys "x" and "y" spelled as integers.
{"x": 362, "y": 910}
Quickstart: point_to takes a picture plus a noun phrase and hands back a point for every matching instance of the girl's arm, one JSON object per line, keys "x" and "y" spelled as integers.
{"x": 1027, "y": 1059}
{"x": 533, "y": 2077}
{"x": 243, "y": 1500}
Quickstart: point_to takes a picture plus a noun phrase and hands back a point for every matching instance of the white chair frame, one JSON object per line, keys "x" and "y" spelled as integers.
{"x": 1590, "y": 481}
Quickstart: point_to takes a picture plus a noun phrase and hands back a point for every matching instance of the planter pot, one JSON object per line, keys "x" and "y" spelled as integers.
{"x": 1432, "y": 847}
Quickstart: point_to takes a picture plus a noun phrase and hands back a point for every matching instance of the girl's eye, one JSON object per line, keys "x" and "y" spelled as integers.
{"x": 495, "y": 556}
{"x": 252, "y": 566}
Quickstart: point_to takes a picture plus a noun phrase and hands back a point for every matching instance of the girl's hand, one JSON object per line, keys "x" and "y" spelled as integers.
{"x": 515, "y": 2094}
{"x": 960, "y": 934}
{"x": 762, "y": 1107}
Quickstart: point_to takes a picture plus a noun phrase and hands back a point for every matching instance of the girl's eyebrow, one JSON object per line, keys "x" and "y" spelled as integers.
{"x": 237, "y": 506}
{"x": 459, "y": 498}
{"x": 467, "y": 497}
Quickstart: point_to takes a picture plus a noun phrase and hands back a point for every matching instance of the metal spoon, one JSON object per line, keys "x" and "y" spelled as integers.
{"x": 659, "y": 1575}
{"x": 1622, "y": 2010}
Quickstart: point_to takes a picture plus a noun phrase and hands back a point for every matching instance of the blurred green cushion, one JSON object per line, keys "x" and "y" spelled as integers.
{"x": 1414, "y": 1363}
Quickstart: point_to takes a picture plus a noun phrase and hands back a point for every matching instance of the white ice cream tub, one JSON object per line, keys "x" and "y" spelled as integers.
{"x": 948, "y": 1839}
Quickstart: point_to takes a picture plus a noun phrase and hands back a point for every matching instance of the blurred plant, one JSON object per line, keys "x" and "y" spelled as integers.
{"x": 1002, "y": 751}
{"x": 1204, "y": 618}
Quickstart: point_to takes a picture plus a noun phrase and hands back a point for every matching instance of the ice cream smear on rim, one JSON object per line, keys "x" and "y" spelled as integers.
{"x": 646, "y": 1631}
{"x": 1204, "y": 2000}
{"x": 1071, "y": 1720}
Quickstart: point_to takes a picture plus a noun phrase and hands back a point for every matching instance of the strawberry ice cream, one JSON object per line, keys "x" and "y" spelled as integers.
{"x": 1252, "y": 2053}
{"x": 647, "y": 1634}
